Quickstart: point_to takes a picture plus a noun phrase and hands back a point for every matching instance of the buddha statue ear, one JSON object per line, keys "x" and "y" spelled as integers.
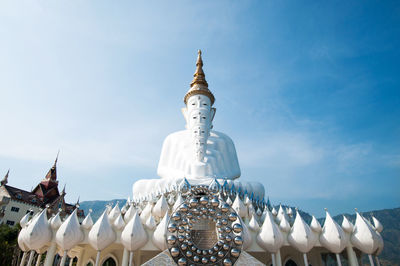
{"x": 184, "y": 113}
{"x": 213, "y": 110}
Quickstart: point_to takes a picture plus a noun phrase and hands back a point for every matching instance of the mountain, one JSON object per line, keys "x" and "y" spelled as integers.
{"x": 98, "y": 206}
{"x": 390, "y": 219}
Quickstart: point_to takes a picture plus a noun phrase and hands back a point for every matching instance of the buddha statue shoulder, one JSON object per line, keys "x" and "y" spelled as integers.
{"x": 198, "y": 152}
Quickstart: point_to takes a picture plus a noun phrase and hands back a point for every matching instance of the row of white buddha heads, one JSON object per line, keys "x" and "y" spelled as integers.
{"x": 199, "y": 114}
{"x": 270, "y": 228}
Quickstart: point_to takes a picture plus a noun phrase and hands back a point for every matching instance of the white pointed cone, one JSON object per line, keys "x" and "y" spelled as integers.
{"x": 160, "y": 233}
{"x": 101, "y": 235}
{"x": 134, "y": 236}
{"x": 87, "y": 223}
{"x": 171, "y": 200}
{"x": 160, "y": 208}
{"x": 114, "y": 213}
{"x": 281, "y": 213}
{"x": 56, "y": 222}
{"x": 364, "y": 236}
{"x": 24, "y": 220}
{"x": 119, "y": 223}
{"x": 239, "y": 207}
{"x": 270, "y": 237}
{"x": 151, "y": 222}
{"x": 274, "y": 212}
{"x": 315, "y": 225}
{"x": 377, "y": 224}
{"x": 332, "y": 237}
{"x": 146, "y": 212}
{"x": 347, "y": 225}
{"x": 301, "y": 237}
{"x": 253, "y": 224}
{"x": 284, "y": 225}
{"x": 289, "y": 211}
{"x": 69, "y": 234}
{"x": 178, "y": 202}
{"x": 129, "y": 213}
{"x": 38, "y": 232}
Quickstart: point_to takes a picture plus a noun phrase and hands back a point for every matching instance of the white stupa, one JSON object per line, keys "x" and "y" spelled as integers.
{"x": 199, "y": 213}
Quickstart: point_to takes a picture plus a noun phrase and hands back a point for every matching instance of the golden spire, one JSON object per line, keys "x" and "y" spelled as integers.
{"x": 199, "y": 77}
{"x": 199, "y": 84}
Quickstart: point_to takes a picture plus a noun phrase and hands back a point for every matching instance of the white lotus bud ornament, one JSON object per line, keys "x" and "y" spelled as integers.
{"x": 347, "y": 225}
{"x": 315, "y": 225}
{"x": 56, "y": 221}
{"x": 161, "y": 207}
{"x": 133, "y": 236}
{"x": 38, "y": 232}
{"x": 270, "y": 237}
{"x": 160, "y": 233}
{"x": 333, "y": 237}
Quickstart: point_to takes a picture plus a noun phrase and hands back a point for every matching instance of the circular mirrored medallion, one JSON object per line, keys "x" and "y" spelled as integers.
{"x": 204, "y": 231}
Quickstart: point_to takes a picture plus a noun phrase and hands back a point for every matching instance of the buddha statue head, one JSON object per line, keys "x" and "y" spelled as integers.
{"x": 199, "y": 112}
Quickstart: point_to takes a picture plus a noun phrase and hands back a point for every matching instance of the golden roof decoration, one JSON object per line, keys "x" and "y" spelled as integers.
{"x": 199, "y": 84}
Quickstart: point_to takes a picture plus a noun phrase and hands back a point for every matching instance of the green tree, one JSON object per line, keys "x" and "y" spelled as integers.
{"x": 8, "y": 243}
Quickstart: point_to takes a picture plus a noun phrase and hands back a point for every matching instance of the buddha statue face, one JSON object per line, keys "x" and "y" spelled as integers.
{"x": 199, "y": 114}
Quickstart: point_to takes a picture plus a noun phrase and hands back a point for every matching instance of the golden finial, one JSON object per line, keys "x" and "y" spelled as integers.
{"x": 199, "y": 84}
{"x": 199, "y": 77}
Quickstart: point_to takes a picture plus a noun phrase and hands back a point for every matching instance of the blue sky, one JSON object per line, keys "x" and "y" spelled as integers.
{"x": 308, "y": 91}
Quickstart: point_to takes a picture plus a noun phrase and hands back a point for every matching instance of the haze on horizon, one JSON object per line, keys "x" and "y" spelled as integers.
{"x": 309, "y": 93}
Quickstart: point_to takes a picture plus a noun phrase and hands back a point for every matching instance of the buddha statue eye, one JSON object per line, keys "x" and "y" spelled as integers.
{"x": 194, "y": 117}
{"x": 204, "y": 117}
{"x": 204, "y": 104}
{"x": 193, "y": 103}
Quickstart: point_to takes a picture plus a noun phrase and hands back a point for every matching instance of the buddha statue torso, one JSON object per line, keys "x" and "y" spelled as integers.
{"x": 179, "y": 159}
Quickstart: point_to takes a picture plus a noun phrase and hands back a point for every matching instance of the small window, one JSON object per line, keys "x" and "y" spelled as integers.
{"x": 28, "y": 211}
{"x": 14, "y": 209}
{"x": 10, "y": 222}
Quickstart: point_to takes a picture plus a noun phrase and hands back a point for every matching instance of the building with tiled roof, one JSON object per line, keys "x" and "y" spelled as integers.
{"x": 16, "y": 202}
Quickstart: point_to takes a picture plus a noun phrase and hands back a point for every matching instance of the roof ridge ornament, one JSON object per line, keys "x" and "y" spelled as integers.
{"x": 5, "y": 179}
{"x": 199, "y": 84}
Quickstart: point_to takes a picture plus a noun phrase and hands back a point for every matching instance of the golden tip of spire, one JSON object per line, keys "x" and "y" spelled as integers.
{"x": 199, "y": 84}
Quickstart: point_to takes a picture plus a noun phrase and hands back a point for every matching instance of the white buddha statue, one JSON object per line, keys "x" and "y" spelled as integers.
{"x": 198, "y": 152}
